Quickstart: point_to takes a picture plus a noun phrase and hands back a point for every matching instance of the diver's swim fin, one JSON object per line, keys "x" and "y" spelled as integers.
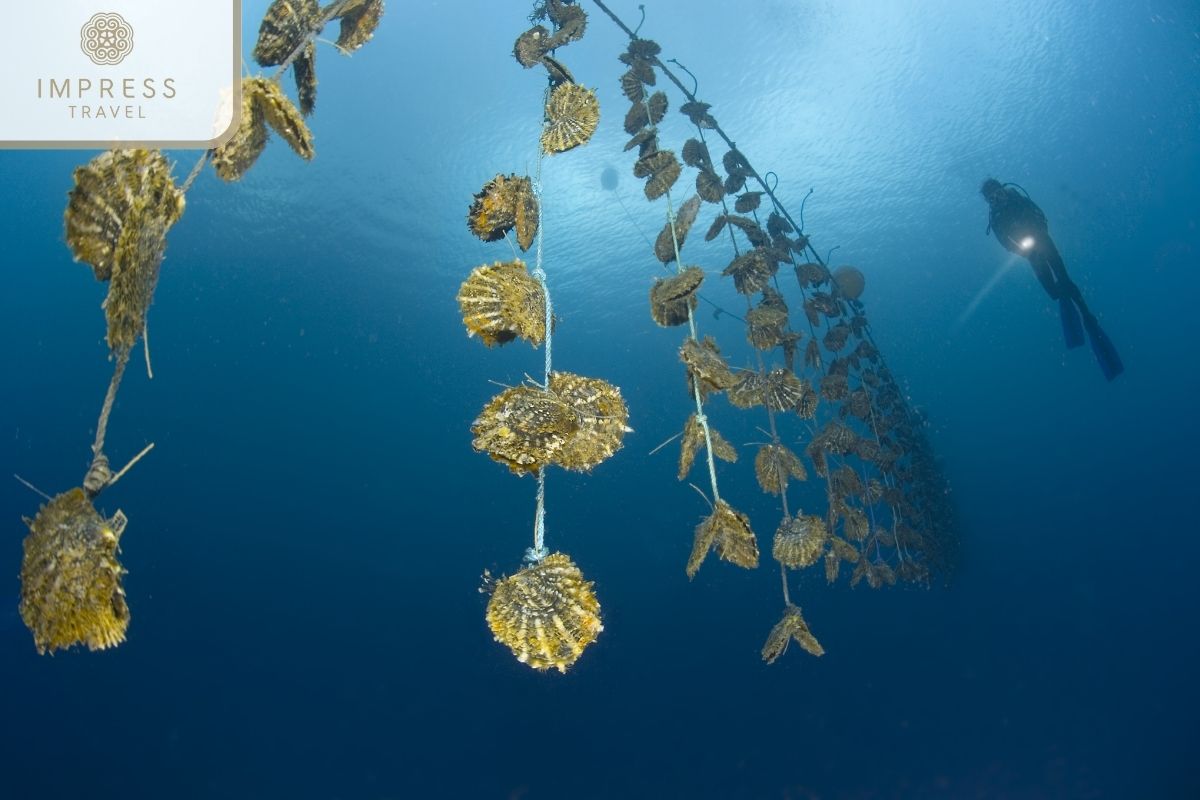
{"x": 1106, "y": 353}
{"x": 1071, "y": 323}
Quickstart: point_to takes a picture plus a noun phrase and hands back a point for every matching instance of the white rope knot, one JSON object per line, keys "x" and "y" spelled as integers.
{"x": 535, "y": 555}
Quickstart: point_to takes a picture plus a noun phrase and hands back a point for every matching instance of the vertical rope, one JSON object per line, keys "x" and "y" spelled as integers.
{"x": 110, "y": 397}
{"x": 540, "y": 274}
{"x": 539, "y": 551}
{"x": 701, "y": 417}
{"x": 197, "y": 168}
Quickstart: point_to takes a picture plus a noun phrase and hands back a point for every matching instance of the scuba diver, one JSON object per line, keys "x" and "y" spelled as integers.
{"x": 1021, "y": 227}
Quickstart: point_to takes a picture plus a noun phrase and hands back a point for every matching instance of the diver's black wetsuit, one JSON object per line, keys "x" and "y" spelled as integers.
{"x": 1016, "y": 217}
{"x": 1021, "y": 227}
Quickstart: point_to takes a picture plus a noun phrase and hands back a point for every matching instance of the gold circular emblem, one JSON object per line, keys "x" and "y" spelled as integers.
{"x": 106, "y": 39}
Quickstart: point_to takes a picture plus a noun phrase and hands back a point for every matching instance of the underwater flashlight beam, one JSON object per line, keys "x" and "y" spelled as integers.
{"x": 982, "y": 294}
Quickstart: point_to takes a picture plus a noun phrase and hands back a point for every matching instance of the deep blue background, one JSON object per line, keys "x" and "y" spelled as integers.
{"x": 305, "y": 542}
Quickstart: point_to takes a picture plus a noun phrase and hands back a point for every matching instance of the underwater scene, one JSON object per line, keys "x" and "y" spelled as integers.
{"x": 602, "y": 399}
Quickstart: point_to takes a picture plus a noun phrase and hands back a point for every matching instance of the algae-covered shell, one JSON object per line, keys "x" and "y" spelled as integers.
{"x": 706, "y": 366}
{"x": 263, "y": 104}
{"x": 775, "y": 465}
{"x": 697, "y": 112}
{"x": 695, "y": 154}
{"x": 646, "y": 138}
{"x": 693, "y": 439}
{"x": 601, "y": 414}
{"x": 505, "y": 203}
{"x": 836, "y": 337}
{"x": 359, "y": 24}
{"x": 751, "y": 270}
{"x": 782, "y": 390}
{"x": 747, "y": 202}
{"x": 777, "y": 226}
{"x": 647, "y": 112}
{"x": 108, "y": 190}
{"x": 800, "y": 541}
{"x": 673, "y": 235}
{"x": 811, "y": 274}
{"x": 572, "y": 114}
{"x": 644, "y": 48}
{"x": 502, "y": 301}
{"x": 571, "y": 22}
{"x": 735, "y": 163}
{"x": 233, "y": 159}
{"x": 547, "y": 614}
{"x": 632, "y": 87}
{"x": 727, "y": 531}
{"x": 855, "y": 524}
{"x": 492, "y": 212}
{"x": 754, "y": 232}
{"x": 747, "y": 390}
{"x": 765, "y": 327}
{"x": 662, "y": 168}
{"x": 671, "y": 298}
{"x": 282, "y": 115}
{"x": 844, "y": 481}
{"x": 709, "y": 186}
{"x": 791, "y": 628}
{"x": 117, "y": 218}
{"x": 71, "y": 589}
{"x": 642, "y": 69}
{"x": 283, "y": 28}
{"x": 577, "y": 423}
{"x": 524, "y": 428}
{"x": 532, "y": 45}
{"x": 304, "y": 70}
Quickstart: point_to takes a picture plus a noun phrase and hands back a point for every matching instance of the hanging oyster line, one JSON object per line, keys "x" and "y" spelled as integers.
{"x": 725, "y": 531}
{"x": 874, "y": 478}
{"x": 538, "y": 552}
{"x": 701, "y": 417}
{"x": 331, "y": 13}
{"x": 776, "y": 203}
{"x": 901, "y": 549}
{"x": 692, "y": 98}
{"x": 768, "y": 190}
{"x": 71, "y": 591}
{"x": 774, "y": 430}
{"x": 546, "y": 613}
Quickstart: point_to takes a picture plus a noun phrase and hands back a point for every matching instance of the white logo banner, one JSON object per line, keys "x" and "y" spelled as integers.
{"x": 103, "y": 73}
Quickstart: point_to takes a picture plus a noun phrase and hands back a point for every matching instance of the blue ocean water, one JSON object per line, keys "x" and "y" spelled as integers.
{"x": 306, "y": 540}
